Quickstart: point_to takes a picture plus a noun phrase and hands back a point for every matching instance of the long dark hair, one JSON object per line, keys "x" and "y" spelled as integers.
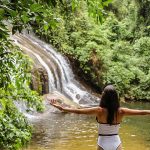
{"x": 110, "y": 101}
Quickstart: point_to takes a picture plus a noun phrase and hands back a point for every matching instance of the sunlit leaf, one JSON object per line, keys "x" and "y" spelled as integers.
{"x": 37, "y": 8}
{"x": 25, "y": 17}
{"x": 1, "y": 13}
{"x": 46, "y": 26}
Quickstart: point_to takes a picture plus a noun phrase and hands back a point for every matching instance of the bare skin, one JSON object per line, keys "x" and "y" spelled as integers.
{"x": 101, "y": 114}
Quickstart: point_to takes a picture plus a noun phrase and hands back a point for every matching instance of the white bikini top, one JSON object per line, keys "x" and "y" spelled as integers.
{"x": 105, "y": 129}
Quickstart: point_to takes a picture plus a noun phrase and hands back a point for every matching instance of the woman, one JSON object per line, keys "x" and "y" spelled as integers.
{"x": 109, "y": 116}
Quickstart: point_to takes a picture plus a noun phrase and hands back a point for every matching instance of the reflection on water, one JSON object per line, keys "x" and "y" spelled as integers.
{"x": 61, "y": 131}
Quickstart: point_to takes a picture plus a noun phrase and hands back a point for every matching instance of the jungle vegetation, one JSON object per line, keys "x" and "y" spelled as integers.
{"x": 108, "y": 45}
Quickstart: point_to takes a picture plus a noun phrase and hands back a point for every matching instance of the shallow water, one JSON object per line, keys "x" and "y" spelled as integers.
{"x": 62, "y": 131}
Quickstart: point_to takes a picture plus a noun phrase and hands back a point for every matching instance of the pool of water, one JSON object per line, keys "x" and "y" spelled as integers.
{"x": 63, "y": 131}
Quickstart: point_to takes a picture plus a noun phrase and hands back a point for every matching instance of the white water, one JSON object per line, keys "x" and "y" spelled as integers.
{"x": 61, "y": 77}
{"x": 50, "y": 76}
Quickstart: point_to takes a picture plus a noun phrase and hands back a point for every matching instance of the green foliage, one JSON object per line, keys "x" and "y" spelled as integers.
{"x": 15, "y": 73}
{"x": 127, "y": 64}
{"x": 14, "y": 86}
{"x": 14, "y": 128}
{"x": 115, "y": 52}
{"x": 141, "y": 49}
{"x": 98, "y": 10}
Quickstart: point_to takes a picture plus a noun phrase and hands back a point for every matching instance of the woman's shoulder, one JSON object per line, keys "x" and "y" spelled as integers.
{"x": 100, "y": 109}
{"x": 122, "y": 110}
{"x": 103, "y": 110}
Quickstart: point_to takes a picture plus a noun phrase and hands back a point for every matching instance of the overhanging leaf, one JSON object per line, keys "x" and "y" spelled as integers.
{"x": 36, "y": 8}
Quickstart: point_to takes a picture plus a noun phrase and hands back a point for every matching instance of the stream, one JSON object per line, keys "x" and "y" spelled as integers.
{"x": 62, "y": 131}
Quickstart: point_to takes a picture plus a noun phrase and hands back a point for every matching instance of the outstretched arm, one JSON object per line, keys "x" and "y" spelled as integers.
{"x": 88, "y": 111}
{"x": 129, "y": 112}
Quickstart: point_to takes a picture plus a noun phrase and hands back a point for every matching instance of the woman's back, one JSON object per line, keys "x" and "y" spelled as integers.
{"x": 103, "y": 115}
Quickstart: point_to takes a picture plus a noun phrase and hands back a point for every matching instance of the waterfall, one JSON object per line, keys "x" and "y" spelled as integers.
{"x": 61, "y": 77}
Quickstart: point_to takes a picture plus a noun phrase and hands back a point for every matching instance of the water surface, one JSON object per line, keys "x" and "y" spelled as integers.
{"x": 63, "y": 131}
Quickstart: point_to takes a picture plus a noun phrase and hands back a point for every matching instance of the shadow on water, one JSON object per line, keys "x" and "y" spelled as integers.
{"x": 63, "y": 131}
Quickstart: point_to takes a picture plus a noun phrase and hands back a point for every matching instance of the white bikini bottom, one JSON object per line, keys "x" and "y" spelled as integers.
{"x": 109, "y": 142}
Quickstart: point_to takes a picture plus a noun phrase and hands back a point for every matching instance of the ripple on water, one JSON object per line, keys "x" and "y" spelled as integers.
{"x": 76, "y": 132}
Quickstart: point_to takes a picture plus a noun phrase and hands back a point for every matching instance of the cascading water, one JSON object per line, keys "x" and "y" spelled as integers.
{"x": 61, "y": 77}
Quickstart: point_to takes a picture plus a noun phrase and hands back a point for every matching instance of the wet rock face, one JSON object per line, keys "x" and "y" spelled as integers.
{"x": 39, "y": 80}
